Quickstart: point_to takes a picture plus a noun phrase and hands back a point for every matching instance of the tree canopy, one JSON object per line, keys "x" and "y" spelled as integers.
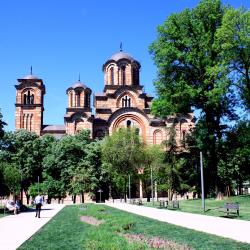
{"x": 121, "y": 154}
{"x": 2, "y": 124}
{"x": 195, "y": 64}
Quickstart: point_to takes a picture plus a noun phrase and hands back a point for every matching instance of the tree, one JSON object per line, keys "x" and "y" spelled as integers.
{"x": 96, "y": 175}
{"x": 234, "y": 40}
{"x": 191, "y": 74}
{"x": 12, "y": 179}
{"x": 22, "y": 149}
{"x": 4, "y": 191}
{"x": 37, "y": 188}
{"x": 234, "y": 163}
{"x": 169, "y": 175}
{"x": 152, "y": 160}
{"x": 2, "y": 124}
{"x": 59, "y": 167}
{"x": 71, "y": 166}
{"x": 121, "y": 152}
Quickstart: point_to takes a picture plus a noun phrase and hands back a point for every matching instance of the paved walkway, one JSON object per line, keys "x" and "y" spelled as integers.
{"x": 229, "y": 228}
{"x": 16, "y": 229}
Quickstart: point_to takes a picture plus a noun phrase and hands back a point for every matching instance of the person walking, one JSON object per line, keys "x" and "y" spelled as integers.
{"x": 39, "y": 203}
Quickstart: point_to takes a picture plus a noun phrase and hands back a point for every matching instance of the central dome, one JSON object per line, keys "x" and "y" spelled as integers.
{"x": 121, "y": 55}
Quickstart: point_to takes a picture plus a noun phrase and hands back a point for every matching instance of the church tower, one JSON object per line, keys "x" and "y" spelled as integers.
{"x": 79, "y": 113}
{"x": 123, "y": 103}
{"x": 30, "y": 92}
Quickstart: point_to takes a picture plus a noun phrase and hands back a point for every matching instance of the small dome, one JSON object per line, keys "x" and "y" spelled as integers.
{"x": 79, "y": 85}
{"x": 31, "y": 77}
{"x": 121, "y": 55}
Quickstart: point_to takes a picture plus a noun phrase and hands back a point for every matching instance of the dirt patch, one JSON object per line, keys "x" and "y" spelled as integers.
{"x": 91, "y": 220}
{"x": 155, "y": 242}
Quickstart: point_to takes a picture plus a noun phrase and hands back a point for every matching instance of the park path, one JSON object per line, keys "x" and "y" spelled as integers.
{"x": 16, "y": 229}
{"x": 235, "y": 229}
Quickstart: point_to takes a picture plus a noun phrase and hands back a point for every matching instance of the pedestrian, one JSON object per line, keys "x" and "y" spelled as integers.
{"x": 39, "y": 203}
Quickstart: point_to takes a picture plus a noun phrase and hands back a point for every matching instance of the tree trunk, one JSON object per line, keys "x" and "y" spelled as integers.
{"x": 21, "y": 195}
{"x": 170, "y": 195}
{"x": 212, "y": 155}
{"x": 228, "y": 191}
{"x": 125, "y": 191}
{"x": 82, "y": 195}
{"x": 27, "y": 197}
{"x": 49, "y": 200}
{"x": 74, "y": 198}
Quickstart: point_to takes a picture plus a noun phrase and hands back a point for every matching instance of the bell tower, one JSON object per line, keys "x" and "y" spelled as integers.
{"x": 79, "y": 113}
{"x": 30, "y": 92}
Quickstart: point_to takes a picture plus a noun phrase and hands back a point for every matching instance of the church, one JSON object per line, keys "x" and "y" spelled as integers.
{"x": 122, "y": 103}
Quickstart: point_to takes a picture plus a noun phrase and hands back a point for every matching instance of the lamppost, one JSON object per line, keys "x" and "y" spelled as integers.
{"x": 129, "y": 188}
{"x": 152, "y": 185}
{"x": 38, "y": 183}
{"x": 202, "y": 183}
{"x": 100, "y": 191}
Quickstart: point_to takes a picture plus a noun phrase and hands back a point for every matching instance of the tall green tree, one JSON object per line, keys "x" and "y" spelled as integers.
{"x": 234, "y": 165}
{"x": 72, "y": 166}
{"x": 169, "y": 174}
{"x": 234, "y": 39}
{"x": 191, "y": 74}
{"x": 11, "y": 176}
{"x": 2, "y": 124}
{"x": 59, "y": 167}
{"x": 121, "y": 152}
{"x": 152, "y": 160}
{"x": 22, "y": 149}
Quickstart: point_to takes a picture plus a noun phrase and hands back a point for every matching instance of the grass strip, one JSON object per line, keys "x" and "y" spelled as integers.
{"x": 67, "y": 231}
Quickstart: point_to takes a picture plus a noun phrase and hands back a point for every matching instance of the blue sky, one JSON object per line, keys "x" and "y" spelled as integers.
{"x": 61, "y": 39}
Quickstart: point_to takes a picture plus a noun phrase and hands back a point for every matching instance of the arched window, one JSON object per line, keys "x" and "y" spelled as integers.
{"x": 126, "y": 102}
{"x": 24, "y": 99}
{"x": 77, "y": 101}
{"x": 28, "y": 98}
{"x": 123, "y": 75}
{"x": 128, "y": 123}
{"x": 135, "y": 76}
{"x": 70, "y": 99}
{"x": 87, "y": 100}
{"x": 32, "y": 99}
{"x": 112, "y": 80}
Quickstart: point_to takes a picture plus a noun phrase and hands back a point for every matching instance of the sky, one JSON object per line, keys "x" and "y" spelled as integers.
{"x": 62, "y": 39}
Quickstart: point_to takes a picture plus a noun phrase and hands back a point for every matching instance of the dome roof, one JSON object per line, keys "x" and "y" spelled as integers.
{"x": 33, "y": 77}
{"x": 121, "y": 55}
{"x": 79, "y": 84}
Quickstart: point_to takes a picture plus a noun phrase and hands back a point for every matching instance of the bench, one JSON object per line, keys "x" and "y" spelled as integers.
{"x": 231, "y": 209}
{"x": 175, "y": 204}
{"x": 137, "y": 202}
{"x": 163, "y": 204}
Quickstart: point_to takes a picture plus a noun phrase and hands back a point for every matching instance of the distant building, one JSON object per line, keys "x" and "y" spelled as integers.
{"x": 123, "y": 103}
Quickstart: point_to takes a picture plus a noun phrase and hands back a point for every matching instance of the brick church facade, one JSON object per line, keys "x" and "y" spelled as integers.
{"x": 123, "y": 103}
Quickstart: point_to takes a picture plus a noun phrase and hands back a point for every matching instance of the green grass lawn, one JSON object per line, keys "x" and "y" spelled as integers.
{"x": 212, "y": 206}
{"x": 67, "y": 231}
